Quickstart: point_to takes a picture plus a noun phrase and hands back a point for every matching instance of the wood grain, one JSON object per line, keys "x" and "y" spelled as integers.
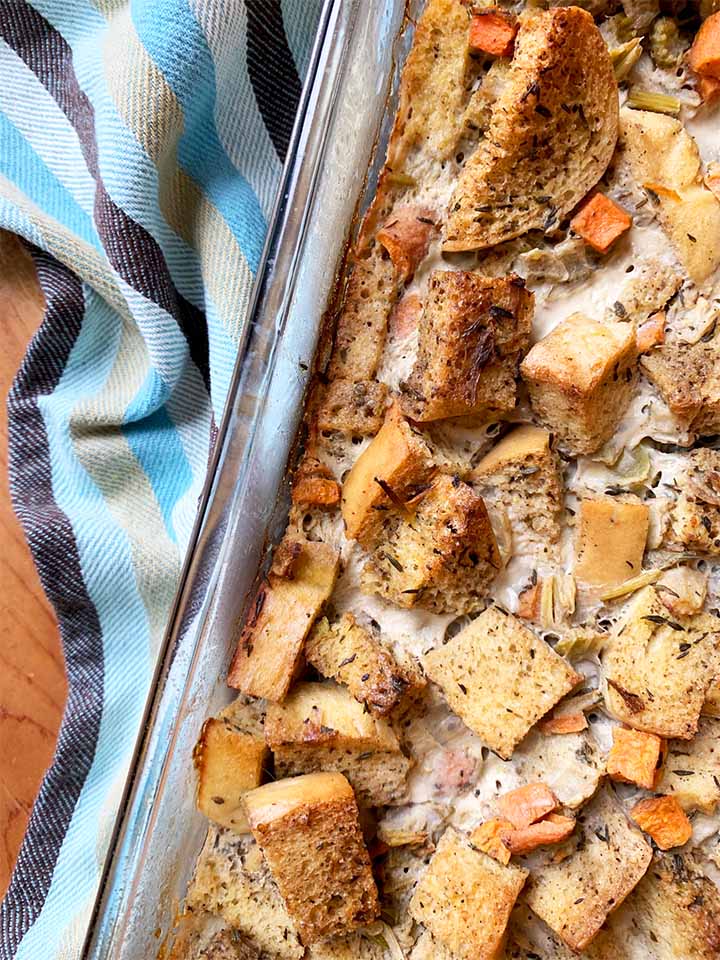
{"x": 32, "y": 673}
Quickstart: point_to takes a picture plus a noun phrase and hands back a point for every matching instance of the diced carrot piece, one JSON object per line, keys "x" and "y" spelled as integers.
{"x": 600, "y": 222}
{"x": 405, "y": 317}
{"x": 527, "y": 804}
{"x": 567, "y": 723}
{"x": 316, "y": 491}
{"x": 634, "y": 757}
{"x": 704, "y": 56}
{"x": 552, "y": 829}
{"x": 708, "y": 88}
{"x": 651, "y": 333}
{"x": 664, "y": 819}
{"x": 488, "y": 838}
{"x": 529, "y": 602}
{"x": 493, "y": 32}
{"x": 406, "y": 237}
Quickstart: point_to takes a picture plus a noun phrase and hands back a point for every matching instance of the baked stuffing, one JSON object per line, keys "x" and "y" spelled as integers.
{"x": 479, "y": 687}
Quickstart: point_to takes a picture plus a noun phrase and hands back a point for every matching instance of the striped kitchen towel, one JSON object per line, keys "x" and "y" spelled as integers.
{"x": 141, "y": 142}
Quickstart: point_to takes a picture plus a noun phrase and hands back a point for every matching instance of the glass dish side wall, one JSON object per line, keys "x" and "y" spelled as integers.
{"x": 342, "y": 127}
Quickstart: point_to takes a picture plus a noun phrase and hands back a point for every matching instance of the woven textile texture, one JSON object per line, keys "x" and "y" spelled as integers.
{"x": 141, "y": 143}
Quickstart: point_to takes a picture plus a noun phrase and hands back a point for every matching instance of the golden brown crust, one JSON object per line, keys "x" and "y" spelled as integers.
{"x": 551, "y": 135}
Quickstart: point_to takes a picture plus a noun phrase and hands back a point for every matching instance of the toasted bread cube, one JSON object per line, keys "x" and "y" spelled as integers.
{"x": 688, "y": 378}
{"x": 309, "y": 832}
{"x": 355, "y": 947}
{"x": 611, "y": 541}
{"x": 229, "y": 758}
{"x": 664, "y": 820}
{"x": 473, "y": 333}
{"x": 600, "y": 222}
{"x": 575, "y": 895}
{"x": 232, "y": 881}
{"x": 464, "y": 898}
{"x": 691, "y": 772}
{"x": 478, "y": 673}
{"x": 581, "y": 377}
{"x": 664, "y": 158}
{"x": 441, "y": 555}
{"x": 320, "y": 726}
{"x": 397, "y": 462}
{"x": 354, "y": 408}
{"x": 348, "y": 653}
{"x": 658, "y": 667}
{"x": 281, "y": 616}
{"x": 695, "y": 516}
{"x": 634, "y": 757}
{"x": 522, "y": 473}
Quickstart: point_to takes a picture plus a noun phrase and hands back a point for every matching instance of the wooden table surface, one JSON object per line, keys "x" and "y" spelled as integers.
{"x": 32, "y": 673}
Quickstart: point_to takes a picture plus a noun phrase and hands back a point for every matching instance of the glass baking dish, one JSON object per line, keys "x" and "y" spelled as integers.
{"x": 341, "y": 132}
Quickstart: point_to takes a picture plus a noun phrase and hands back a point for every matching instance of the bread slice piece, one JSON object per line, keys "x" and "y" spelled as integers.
{"x": 355, "y": 408}
{"x": 394, "y": 466}
{"x": 439, "y": 554}
{"x": 232, "y": 881}
{"x": 610, "y": 543}
{"x": 522, "y": 473}
{"x": 499, "y": 678}
{"x": 309, "y": 832}
{"x": 346, "y": 652}
{"x": 229, "y": 758}
{"x": 281, "y": 615}
{"x": 581, "y": 377}
{"x": 662, "y": 154}
{"x": 464, "y": 898}
{"x": 551, "y": 135}
{"x": 575, "y": 896}
{"x": 473, "y": 333}
{"x": 658, "y": 667}
{"x": 695, "y": 515}
{"x": 320, "y": 726}
{"x": 691, "y": 772}
{"x": 688, "y": 378}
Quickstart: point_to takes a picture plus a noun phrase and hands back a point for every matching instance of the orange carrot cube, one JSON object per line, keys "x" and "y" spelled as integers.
{"x": 651, "y": 333}
{"x": 664, "y": 820}
{"x": 600, "y": 222}
{"x": 406, "y": 237}
{"x": 488, "y": 838}
{"x": 704, "y": 56}
{"x": 493, "y": 31}
{"x": 708, "y": 88}
{"x": 527, "y": 804}
{"x": 634, "y": 757}
{"x": 529, "y": 602}
{"x": 553, "y": 829}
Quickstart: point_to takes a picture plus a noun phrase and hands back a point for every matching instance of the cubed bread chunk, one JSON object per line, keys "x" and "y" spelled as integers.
{"x": 500, "y": 678}
{"x": 351, "y": 407}
{"x": 691, "y": 772}
{"x": 232, "y": 881}
{"x": 229, "y": 758}
{"x": 464, "y": 898}
{"x": 580, "y": 378}
{"x": 551, "y": 134}
{"x": 309, "y": 832}
{"x": 575, "y": 896}
{"x": 347, "y": 652}
{"x": 280, "y": 617}
{"x": 522, "y": 473}
{"x": 473, "y": 333}
{"x": 662, "y": 154}
{"x": 611, "y": 539}
{"x": 688, "y": 378}
{"x": 695, "y": 515}
{"x": 658, "y": 667}
{"x": 320, "y": 726}
{"x": 355, "y": 947}
{"x": 395, "y": 465}
{"x": 440, "y": 555}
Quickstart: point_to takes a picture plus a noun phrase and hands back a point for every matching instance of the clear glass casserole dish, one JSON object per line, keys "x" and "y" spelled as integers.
{"x": 341, "y": 132}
